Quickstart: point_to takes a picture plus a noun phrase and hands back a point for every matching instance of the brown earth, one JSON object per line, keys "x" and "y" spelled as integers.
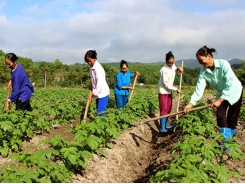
{"x": 137, "y": 154}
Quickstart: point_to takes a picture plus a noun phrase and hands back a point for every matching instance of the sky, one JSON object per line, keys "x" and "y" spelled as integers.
{"x": 132, "y": 30}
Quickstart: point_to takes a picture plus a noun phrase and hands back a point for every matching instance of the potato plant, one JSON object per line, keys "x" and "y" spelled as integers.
{"x": 70, "y": 156}
{"x": 199, "y": 158}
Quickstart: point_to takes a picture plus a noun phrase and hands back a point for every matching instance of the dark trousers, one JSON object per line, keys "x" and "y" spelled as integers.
{"x": 229, "y": 121}
{"x": 23, "y": 105}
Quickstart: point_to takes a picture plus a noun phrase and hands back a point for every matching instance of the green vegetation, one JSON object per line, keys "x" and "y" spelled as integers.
{"x": 198, "y": 157}
{"x": 55, "y": 74}
{"x": 62, "y": 158}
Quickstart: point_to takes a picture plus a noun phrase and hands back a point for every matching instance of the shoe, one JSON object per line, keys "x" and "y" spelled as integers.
{"x": 226, "y": 132}
{"x": 168, "y": 126}
{"x": 233, "y": 131}
{"x": 163, "y": 125}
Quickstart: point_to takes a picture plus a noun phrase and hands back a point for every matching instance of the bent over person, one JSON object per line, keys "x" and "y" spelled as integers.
{"x": 100, "y": 89}
{"x": 219, "y": 74}
{"x": 22, "y": 88}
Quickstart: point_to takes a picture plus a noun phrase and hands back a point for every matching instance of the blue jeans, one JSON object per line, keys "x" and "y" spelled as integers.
{"x": 101, "y": 104}
{"x": 121, "y": 100}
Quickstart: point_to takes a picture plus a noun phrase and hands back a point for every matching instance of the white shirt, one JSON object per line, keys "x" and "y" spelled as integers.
{"x": 165, "y": 83}
{"x": 100, "y": 87}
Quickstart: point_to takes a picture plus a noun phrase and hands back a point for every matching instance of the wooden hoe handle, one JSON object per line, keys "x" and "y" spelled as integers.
{"x": 131, "y": 94}
{"x": 174, "y": 114}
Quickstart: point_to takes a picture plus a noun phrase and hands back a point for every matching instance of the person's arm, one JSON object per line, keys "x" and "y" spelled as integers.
{"x": 99, "y": 76}
{"x": 136, "y": 73}
{"x": 7, "y": 103}
{"x": 180, "y": 69}
{"x": 166, "y": 83}
{"x": 200, "y": 87}
{"x": 217, "y": 102}
{"x": 120, "y": 85}
{"x": 90, "y": 95}
{"x": 9, "y": 85}
{"x": 16, "y": 88}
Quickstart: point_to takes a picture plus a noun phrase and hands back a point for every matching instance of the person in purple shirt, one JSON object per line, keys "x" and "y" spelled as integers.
{"x": 122, "y": 87}
{"x": 22, "y": 88}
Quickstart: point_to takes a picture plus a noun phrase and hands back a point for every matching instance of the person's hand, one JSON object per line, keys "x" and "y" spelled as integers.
{"x": 180, "y": 69}
{"x": 90, "y": 96}
{"x": 188, "y": 108}
{"x": 217, "y": 103}
{"x": 179, "y": 91}
{"x": 7, "y": 104}
{"x": 9, "y": 85}
{"x": 131, "y": 88}
{"x": 136, "y": 73}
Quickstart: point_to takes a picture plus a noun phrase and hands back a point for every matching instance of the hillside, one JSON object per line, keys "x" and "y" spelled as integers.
{"x": 188, "y": 63}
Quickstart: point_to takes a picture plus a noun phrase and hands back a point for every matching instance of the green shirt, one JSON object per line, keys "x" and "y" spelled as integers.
{"x": 222, "y": 78}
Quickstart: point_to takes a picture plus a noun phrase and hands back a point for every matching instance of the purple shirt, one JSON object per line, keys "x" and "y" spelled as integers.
{"x": 21, "y": 85}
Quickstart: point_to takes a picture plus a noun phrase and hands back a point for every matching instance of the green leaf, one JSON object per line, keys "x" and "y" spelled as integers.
{"x": 72, "y": 158}
{"x": 93, "y": 142}
{"x": 109, "y": 145}
{"x": 4, "y": 151}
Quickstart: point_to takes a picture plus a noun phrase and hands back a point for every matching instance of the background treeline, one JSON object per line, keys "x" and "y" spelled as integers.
{"x": 55, "y": 74}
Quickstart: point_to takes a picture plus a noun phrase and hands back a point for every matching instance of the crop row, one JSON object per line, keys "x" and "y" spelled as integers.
{"x": 50, "y": 107}
{"x": 70, "y": 156}
{"x": 198, "y": 156}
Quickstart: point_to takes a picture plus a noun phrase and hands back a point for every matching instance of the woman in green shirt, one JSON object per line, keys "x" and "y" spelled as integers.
{"x": 219, "y": 74}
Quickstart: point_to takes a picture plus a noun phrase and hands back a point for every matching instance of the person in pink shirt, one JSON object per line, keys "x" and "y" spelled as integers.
{"x": 99, "y": 89}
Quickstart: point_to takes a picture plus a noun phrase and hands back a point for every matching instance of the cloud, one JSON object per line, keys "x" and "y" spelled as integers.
{"x": 2, "y": 4}
{"x": 134, "y": 30}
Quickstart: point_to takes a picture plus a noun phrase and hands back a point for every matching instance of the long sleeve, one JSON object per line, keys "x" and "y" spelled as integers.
{"x": 16, "y": 87}
{"x": 119, "y": 82}
{"x": 21, "y": 86}
{"x": 167, "y": 82}
{"x": 200, "y": 87}
{"x": 100, "y": 87}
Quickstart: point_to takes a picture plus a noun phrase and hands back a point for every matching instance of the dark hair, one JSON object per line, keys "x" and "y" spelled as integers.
{"x": 123, "y": 63}
{"x": 204, "y": 51}
{"x": 12, "y": 57}
{"x": 91, "y": 54}
{"x": 169, "y": 55}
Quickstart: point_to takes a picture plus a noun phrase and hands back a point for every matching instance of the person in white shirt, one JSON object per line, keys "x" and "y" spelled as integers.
{"x": 99, "y": 89}
{"x": 166, "y": 89}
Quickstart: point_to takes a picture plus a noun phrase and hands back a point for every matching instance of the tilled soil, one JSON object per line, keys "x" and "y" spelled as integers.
{"x": 137, "y": 154}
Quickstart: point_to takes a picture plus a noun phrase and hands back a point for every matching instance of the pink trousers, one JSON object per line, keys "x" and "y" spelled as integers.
{"x": 165, "y": 103}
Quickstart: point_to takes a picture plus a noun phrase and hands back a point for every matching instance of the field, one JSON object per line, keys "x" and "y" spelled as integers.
{"x": 54, "y": 144}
